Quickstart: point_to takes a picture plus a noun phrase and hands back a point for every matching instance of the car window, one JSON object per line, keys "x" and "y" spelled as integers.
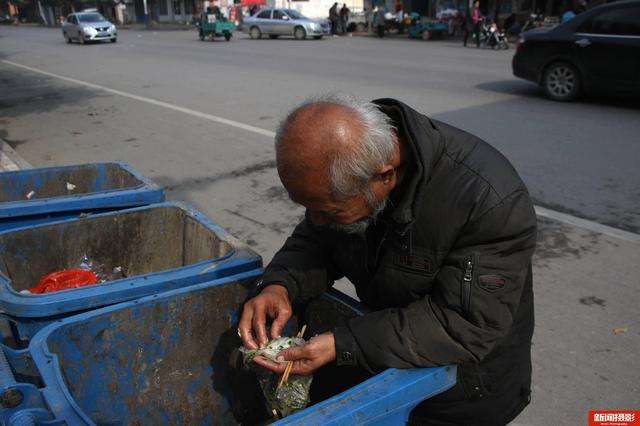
{"x": 91, "y": 17}
{"x": 72, "y": 19}
{"x": 278, "y": 14}
{"x": 294, "y": 14}
{"x": 621, "y": 21}
{"x": 265, "y": 14}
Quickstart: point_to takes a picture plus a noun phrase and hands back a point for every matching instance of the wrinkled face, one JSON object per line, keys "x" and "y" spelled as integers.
{"x": 352, "y": 215}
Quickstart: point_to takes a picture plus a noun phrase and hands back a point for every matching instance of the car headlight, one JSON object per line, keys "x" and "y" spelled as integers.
{"x": 112, "y": 27}
{"x": 89, "y": 30}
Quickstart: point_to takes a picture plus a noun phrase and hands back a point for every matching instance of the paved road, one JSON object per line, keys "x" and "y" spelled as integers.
{"x": 574, "y": 157}
{"x": 580, "y": 158}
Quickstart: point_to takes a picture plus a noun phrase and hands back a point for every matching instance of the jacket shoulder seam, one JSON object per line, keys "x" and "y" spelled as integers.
{"x": 499, "y": 202}
{"x": 466, "y": 166}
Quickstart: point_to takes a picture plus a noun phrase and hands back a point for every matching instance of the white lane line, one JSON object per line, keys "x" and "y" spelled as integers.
{"x": 540, "y": 211}
{"x": 189, "y": 111}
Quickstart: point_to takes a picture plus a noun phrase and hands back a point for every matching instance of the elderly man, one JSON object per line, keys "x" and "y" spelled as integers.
{"x": 436, "y": 231}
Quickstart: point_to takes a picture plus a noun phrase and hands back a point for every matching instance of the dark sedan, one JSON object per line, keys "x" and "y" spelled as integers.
{"x": 596, "y": 52}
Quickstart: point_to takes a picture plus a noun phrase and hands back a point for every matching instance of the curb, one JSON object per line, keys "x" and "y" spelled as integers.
{"x": 10, "y": 160}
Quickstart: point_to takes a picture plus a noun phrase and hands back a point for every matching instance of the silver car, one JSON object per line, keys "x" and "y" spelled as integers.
{"x": 88, "y": 26}
{"x": 283, "y": 22}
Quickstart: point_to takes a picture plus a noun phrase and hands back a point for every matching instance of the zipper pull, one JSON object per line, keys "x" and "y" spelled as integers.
{"x": 468, "y": 272}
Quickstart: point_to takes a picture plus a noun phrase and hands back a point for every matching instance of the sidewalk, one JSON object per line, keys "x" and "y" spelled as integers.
{"x": 9, "y": 159}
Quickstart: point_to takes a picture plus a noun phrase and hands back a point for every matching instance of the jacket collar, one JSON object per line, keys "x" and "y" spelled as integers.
{"x": 427, "y": 145}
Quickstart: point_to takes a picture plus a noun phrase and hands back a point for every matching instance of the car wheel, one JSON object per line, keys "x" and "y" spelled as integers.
{"x": 273, "y": 36}
{"x": 255, "y": 33}
{"x": 299, "y": 33}
{"x": 426, "y": 35}
{"x": 561, "y": 82}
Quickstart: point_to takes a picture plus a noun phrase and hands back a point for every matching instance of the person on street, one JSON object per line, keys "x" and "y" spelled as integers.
{"x": 476, "y": 20}
{"x": 435, "y": 229}
{"x": 344, "y": 18}
{"x": 368, "y": 16}
{"x": 334, "y": 18}
{"x": 467, "y": 28}
{"x": 400, "y": 19}
{"x": 379, "y": 21}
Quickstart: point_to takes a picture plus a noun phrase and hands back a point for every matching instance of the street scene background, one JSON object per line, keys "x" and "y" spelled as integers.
{"x": 198, "y": 118}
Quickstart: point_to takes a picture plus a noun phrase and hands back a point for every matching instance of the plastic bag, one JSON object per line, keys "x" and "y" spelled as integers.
{"x": 88, "y": 272}
{"x": 292, "y": 395}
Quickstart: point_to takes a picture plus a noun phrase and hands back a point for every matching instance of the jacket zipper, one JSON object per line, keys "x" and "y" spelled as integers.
{"x": 467, "y": 280}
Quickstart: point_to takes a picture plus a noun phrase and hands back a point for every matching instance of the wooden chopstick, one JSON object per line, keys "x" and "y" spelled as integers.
{"x": 287, "y": 370}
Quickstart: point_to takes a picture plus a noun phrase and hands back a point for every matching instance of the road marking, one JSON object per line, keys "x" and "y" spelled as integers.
{"x": 540, "y": 211}
{"x": 151, "y": 101}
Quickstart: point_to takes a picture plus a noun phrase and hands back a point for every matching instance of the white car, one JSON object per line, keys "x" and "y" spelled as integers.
{"x": 84, "y": 27}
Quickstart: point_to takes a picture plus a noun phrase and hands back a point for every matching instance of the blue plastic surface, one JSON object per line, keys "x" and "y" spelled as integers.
{"x": 32, "y": 312}
{"x": 94, "y": 371}
{"x": 98, "y": 187}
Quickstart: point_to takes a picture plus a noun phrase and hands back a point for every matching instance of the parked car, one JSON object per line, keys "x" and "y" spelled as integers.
{"x": 283, "y": 22}
{"x": 598, "y": 51}
{"x": 85, "y": 27}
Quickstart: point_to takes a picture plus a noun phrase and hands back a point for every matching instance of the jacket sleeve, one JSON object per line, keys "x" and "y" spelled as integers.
{"x": 303, "y": 265}
{"x": 462, "y": 318}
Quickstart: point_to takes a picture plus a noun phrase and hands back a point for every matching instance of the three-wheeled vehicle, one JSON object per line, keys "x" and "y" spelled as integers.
{"x": 425, "y": 28}
{"x": 213, "y": 24}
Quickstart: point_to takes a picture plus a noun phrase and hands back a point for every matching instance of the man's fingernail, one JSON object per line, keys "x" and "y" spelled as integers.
{"x": 280, "y": 358}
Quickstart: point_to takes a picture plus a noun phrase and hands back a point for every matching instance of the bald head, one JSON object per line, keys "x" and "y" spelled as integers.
{"x": 332, "y": 145}
{"x": 312, "y": 137}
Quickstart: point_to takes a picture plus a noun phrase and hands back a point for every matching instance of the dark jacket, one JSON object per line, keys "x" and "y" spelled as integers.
{"x": 446, "y": 269}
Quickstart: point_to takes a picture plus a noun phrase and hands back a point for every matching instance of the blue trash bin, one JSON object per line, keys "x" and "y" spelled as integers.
{"x": 159, "y": 247}
{"x": 165, "y": 360}
{"x": 33, "y": 196}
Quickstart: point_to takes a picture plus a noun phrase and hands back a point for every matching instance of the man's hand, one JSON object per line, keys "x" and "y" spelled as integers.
{"x": 318, "y": 351}
{"x": 272, "y": 301}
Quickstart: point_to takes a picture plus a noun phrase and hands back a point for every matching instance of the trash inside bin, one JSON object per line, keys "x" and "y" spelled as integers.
{"x": 165, "y": 360}
{"x": 64, "y": 280}
{"x": 34, "y": 196}
{"x": 155, "y": 248}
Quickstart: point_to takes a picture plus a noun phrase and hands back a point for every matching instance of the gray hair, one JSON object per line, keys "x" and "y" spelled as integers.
{"x": 352, "y": 169}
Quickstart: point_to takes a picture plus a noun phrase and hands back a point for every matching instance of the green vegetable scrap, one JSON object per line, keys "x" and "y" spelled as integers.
{"x": 292, "y": 395}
